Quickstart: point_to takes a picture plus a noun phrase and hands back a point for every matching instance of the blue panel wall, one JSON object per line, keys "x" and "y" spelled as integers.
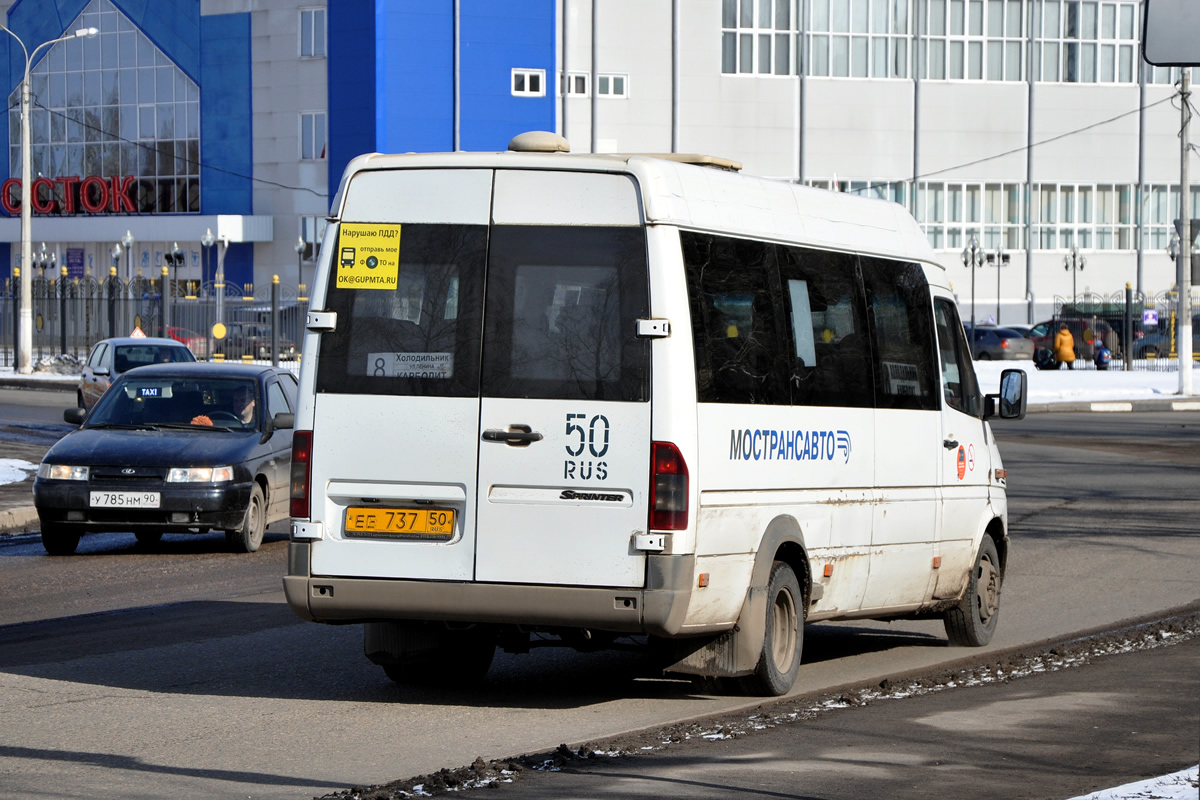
{"x": 352, "y": 111}
{"x": 225, "y": 115}
{"x": 415, "y": 63}
{"x": 496, "y": 38}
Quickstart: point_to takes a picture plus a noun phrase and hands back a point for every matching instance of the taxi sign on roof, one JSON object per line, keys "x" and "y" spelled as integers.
{"x": 368, "y": 256}
{"x": 137, "y": 333}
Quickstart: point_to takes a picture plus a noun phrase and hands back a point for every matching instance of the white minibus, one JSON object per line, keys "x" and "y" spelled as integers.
{"x": 589, "y": 400}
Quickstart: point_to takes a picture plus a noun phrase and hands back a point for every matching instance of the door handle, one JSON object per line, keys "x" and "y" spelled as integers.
{"x": 949, "y": 444}
{"x": 516, "y": 435}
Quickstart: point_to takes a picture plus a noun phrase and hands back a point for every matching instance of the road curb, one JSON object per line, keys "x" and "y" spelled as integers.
{"x": 18, "y": 520}
{"x": 65, "y": 384}
{"x": 1116, "y": 406}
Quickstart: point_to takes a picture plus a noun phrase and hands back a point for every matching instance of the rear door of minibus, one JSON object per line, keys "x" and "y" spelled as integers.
{"x": 564, "y": 426}
{"x": 482, "y": 407}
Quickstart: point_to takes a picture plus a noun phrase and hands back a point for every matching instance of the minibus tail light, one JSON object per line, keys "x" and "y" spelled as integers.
{"x": 301, "y": 473}
{"x": 668, "y": 488}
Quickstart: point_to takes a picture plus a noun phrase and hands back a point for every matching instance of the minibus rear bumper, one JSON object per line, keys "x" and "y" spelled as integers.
{"x": 657, "y": 609}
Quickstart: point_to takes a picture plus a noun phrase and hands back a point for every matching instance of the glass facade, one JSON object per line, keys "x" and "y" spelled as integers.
{"x": 115, "y": 125}
{"x": 1074, "y": 41}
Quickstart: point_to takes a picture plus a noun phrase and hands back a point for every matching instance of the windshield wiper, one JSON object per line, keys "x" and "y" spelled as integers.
{"x": 122, "y": 426}
{"x": 187, "y": 426}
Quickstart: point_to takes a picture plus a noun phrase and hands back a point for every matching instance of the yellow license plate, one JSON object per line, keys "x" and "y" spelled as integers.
{"x": 422, "y": 523}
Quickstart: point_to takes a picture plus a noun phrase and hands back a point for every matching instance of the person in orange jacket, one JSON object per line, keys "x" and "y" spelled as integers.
{"x": 1064, "y": 347}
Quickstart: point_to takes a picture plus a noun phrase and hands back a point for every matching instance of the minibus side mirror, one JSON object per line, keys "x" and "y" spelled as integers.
{"x": 1013, "y": 397}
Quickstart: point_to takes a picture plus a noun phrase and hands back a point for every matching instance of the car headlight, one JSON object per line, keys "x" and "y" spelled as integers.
{"x": 200, "y": 474}
{"x": 62, "y": 472}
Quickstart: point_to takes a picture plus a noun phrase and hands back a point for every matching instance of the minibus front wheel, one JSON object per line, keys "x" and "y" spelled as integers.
{"x": 973, "y": 621}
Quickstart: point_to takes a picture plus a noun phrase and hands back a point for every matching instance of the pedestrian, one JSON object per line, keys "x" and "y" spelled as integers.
{"x": 1064, "y": 347}
{"x": 1112, "y": 342}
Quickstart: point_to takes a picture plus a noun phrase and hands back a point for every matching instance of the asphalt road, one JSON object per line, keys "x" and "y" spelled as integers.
{"x": 196, "y": 681}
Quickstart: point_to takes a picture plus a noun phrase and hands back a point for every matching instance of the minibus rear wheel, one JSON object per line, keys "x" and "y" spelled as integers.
{"x": 450, "y": 658}
{"x": 973, "y": 621}
{"x": 783, "y": 637}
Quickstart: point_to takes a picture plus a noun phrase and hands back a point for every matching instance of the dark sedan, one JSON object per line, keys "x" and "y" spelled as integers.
{"x": 173, "y": 448}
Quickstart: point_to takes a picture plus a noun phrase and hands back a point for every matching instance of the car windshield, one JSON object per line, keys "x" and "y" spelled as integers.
{"x": 174, "y": 401}
{"x": 1005, "y": 333}
{"x": 128, "y": 356}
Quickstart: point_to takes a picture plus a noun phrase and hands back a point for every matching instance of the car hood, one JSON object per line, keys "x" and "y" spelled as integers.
{"x": 153, "y": 448}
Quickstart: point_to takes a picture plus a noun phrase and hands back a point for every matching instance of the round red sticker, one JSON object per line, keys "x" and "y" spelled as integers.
{"x": 962, "y": 462}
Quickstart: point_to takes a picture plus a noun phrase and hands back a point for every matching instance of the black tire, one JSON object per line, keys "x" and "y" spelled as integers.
{"x": 459, "y": 659}
{"x": 59, "y": 542}
{"x": 783, "y": 638}
{"x": 973, "y": 621}
{"x": 249, "y": 537}
{"x": 148, "y": 538}
{"x": 79, "y": 398}
{"x": 985, "y": 356}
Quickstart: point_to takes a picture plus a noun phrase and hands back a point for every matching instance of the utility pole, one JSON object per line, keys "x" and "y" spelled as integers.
{"x": 1183, "y": 264}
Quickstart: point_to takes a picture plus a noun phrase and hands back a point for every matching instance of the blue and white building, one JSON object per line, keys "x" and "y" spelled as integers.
{"x": 1032, "y": 125}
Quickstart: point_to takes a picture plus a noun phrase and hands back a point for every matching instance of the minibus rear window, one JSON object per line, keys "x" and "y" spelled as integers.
{"x": 419, "y": 332}
{"x": 562, "y": 310}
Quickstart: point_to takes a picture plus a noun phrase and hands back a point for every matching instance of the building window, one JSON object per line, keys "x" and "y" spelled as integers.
{"x": 108, "y": 108}
{"x": 312, "y": 231}
{"x": 1087, "y": 42}
{"x": 976, "y": 40}
{"x": 859, "y": 39}
{"x": 312, "y": 33}
{"x": 612, "y": 85}
{"x": 575, "y": 84}
{"x": 312, "y": 135}
{"x": 951, "y": 213}
{"x": 529, "y": 83}
{"x": 756, "y": 37}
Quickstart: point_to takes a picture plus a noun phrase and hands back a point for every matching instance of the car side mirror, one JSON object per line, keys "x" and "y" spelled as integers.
{"x": 283, "y": 421}
{"x": 74, "y": 415}
{"x": 1013, "y": 398}
{"x": 99, "y": 370}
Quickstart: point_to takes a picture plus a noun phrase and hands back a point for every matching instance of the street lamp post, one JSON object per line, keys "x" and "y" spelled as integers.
{"x": 1000, "y": 259}
{"x": 972, "y": 257}
{"x": 299, "y": 248}
{"x": 25, "y": 323}
{"x": 1074, "y": 262}
{"x": 206, "y": 242}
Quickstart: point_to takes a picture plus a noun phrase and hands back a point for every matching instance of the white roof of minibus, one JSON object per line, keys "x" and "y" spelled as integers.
{"x": 708, "y": 198}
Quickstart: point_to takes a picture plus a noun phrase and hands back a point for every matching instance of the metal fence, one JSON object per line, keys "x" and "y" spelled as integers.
{"x": 72, "y": 314}
{"x": 1143, "y": 328}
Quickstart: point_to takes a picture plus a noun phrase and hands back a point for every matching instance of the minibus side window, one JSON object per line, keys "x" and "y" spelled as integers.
{"x": 902, "y": 331}
{"x": 740, "y": 357}
{"x": 562, "y": 310}
{"x": 959, "y": 385}
{"x": 420, "y": 334}
{"x": 828, "y": 341}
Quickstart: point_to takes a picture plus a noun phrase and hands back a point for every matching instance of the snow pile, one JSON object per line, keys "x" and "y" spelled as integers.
{"x": 65, "y": 364}
{"x": 15, "y": 470}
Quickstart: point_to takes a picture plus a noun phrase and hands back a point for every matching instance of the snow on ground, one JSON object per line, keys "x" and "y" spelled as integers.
{"x": 1181, "y": 785}
{"x": 15, "y": 469}
{"x": 1079, "y": 385}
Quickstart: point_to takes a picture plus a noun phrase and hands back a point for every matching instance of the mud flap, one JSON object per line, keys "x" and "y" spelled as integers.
{"x": 732, "y": 653}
